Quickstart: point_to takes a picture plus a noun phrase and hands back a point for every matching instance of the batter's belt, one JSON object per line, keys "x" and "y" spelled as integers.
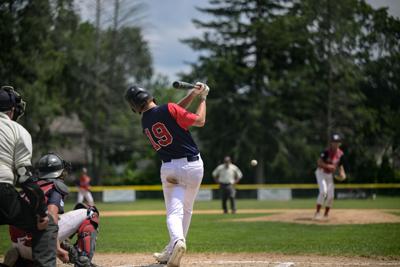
{"x": 189, "y": 159}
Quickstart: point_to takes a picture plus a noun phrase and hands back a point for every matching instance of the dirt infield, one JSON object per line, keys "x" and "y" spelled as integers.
{"x": 241, "y": 259}
{"x": 303, "y": 216}
{"x": 338, "y": 216}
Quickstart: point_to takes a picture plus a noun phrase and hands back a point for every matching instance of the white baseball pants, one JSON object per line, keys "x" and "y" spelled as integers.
{"x": 68, "y": 224}
{"x": 326, "y": 188}
{"x": 85, "y": 194}
{"x": 181, "y": 182}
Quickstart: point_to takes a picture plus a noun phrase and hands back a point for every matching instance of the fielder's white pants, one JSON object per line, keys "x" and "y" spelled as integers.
{"x": 181, "y": 182}
{"x": 326, "y": 188}
{"x": 85, "y": 194}
{"x": 68, "y": 224}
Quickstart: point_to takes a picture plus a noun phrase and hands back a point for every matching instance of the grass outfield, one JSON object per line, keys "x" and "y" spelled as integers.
{"x": 214, "y": 233}
{"x": 158, "y": 204}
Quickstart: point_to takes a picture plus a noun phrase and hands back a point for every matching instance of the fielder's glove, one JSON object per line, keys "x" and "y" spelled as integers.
{"x": 339, "y": 176}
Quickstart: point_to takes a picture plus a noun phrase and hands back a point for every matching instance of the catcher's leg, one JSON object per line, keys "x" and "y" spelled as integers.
{"x": 86, "y": 243}
{"x": 69, "y": 223}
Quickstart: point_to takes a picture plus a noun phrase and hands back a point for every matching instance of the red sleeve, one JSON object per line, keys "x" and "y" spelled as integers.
{"x": 184, "y": 118}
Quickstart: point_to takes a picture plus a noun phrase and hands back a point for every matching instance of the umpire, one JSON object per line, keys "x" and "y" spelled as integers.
{"x": 227, "y": 175}
{"x": 15, "y": 168}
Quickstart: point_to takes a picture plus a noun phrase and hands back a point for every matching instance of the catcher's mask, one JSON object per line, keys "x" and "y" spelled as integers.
{"x": 137, "y": 98}
{"x": 53, "y": 166}
{"x": 9, "y": 98}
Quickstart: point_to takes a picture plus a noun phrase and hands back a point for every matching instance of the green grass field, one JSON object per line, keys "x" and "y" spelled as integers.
{"x": 214, "y": 233}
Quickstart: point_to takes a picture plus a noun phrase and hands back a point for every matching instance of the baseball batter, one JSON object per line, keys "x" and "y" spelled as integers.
{"x": 52, "y": 170}
{"x": 167, "y": 128}
{"x": 330, "y": 160}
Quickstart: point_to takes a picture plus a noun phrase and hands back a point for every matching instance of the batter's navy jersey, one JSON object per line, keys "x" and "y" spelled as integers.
{"x": 166, "y": 126}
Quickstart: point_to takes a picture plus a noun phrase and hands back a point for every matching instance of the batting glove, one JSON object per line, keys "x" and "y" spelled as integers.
{"x": 198, "y": 89}
{"x": 204, "y": 92}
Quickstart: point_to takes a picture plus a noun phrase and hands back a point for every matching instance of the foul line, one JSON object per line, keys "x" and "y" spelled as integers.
{"x": 275, "y": 263}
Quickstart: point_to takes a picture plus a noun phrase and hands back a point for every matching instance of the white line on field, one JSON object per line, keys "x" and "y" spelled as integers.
{"x": 225, "y": 262}
{"x": 285, "y": 264}
{"x": 275, "y": 264}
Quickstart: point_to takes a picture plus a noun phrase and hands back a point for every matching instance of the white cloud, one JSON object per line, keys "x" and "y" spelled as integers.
{"x": 166, "y": 22}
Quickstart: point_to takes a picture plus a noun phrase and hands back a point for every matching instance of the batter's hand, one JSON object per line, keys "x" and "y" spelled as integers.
{"x": 205, "y": 92}
{"x": 199, "y": 88}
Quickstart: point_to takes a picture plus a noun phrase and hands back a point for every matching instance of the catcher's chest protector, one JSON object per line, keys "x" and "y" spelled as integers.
{"x": 46, "y": 187}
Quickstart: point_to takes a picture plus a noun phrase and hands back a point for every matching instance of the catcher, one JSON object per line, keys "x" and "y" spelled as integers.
{"x": 329, "y": 163}
{"x": 83, "y": 220}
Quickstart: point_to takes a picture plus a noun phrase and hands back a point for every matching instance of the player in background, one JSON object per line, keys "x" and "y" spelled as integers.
{"x": 227, "y": 175}
{"x": 82, "y": 220}
{"x": 84, "y": 188}
{"x": 167, "y": 128}
{"x": 328, "y": 163}
{"x": 16, "y": 169}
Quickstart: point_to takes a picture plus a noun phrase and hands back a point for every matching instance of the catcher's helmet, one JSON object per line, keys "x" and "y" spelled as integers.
{"x": 9, "y": 99}
{"x": 52, "y": 165}
{"x": 137, "y": 98}
{"x": 336, "y": 138}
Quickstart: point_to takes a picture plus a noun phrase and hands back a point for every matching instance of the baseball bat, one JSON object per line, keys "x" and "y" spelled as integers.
{"x": 182, "y": 85}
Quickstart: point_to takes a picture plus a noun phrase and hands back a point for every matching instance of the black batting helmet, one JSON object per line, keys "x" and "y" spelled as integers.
{"x": 137, "y": 98}
{"x": 9, "y": 98}
{"x": 52, "y": 165}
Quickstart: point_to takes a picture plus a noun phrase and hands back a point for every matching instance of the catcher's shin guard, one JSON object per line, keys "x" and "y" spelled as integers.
{"x": 86, "y": 243}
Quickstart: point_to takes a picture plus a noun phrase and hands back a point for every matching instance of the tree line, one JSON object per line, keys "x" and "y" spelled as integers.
{"x": 284, "y": 75}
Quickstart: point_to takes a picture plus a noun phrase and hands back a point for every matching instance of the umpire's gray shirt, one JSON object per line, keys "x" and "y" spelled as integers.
{"x": 227, "y": 174}
{"x": 15, "y": 148}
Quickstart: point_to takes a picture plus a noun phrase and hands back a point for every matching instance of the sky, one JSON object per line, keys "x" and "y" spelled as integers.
{"x": 165, "y": 22}
{"x": 169, "y": 24}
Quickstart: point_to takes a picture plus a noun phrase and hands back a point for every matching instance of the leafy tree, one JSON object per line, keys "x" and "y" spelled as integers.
{"x": 238, "y": 43}
{"x": 287, "y": 76}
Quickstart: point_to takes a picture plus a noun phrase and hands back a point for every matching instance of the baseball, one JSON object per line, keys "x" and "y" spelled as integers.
{"x": 253, "y": 162}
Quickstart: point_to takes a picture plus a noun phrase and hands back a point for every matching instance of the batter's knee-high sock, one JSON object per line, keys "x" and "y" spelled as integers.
{"x": 318, "y": 207}
{"x": 326, "y": 211}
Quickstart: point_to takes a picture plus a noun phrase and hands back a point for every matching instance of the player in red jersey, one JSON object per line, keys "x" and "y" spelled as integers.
{"x": 84, "y": 188}
{"x": 167, "y": 128}
{"x": 329, "y": 161}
